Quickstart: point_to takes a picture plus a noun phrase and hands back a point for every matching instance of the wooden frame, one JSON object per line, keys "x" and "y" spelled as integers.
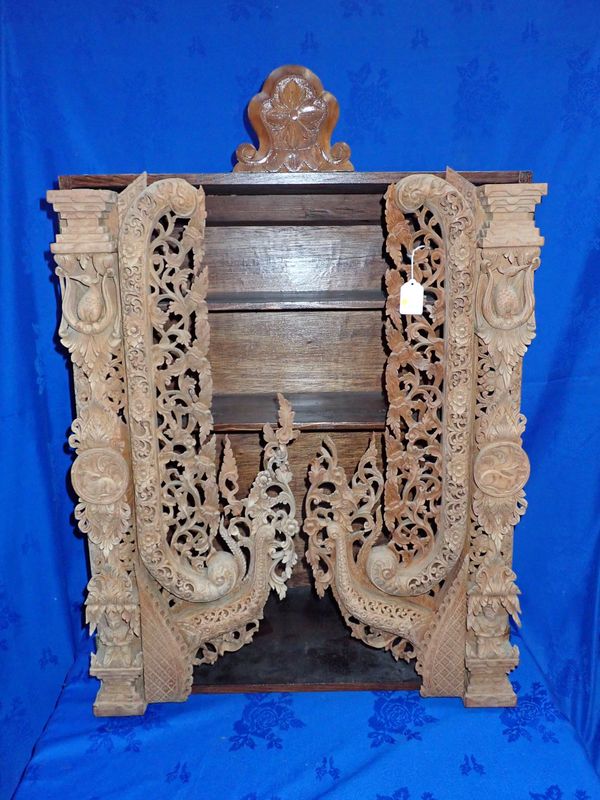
{"x": 417, "y": 547}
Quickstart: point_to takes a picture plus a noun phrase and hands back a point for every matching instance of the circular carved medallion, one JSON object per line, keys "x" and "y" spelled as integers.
{"x": 501, "y": 468}
{"x": 99, "y": 475}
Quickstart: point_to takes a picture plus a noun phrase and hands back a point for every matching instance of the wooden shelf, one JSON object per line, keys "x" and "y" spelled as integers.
{"x": 295, "y": 301}
{"x": 286, "y": 183}
{"x": 315, "y": 411}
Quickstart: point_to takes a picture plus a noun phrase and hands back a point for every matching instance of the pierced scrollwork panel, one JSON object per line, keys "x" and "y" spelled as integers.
{"x": 429, "y": 383}
{"x": 397, "y": 561}
{"x": 343, "y": 522}
{"x": 213, "y": 557}
{"x": 414, "y": 380}
{"x": 163, "y": 289}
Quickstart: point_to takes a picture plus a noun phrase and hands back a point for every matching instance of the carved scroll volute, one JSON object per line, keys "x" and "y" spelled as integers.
{"x": 417, "y": 387}
{"x": 342, "y": 523}
{"x": 293, "y": 117}
{"x": 87, "y": 268}
{"x": 505, "y": 325}
{"x": 170, "y": 389}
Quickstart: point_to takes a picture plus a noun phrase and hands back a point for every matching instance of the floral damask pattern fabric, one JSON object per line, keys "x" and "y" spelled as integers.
{"x": 309, "y": 746}
{"x": 125, "y": 87}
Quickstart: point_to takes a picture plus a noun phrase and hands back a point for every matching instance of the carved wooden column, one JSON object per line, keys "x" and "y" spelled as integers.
{"x": 85, "y": 252}
{"x": 509, "y": 253}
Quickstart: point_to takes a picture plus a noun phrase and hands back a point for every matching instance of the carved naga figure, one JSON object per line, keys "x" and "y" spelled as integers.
{"x": 419, "y": 561}
{"x": 179, "y": 563}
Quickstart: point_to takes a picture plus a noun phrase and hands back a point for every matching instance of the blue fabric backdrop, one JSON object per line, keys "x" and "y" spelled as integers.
{"x": 118, "y": 86}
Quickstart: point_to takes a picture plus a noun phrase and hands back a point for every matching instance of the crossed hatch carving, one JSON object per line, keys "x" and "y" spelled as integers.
{"x": 418, "y": 557}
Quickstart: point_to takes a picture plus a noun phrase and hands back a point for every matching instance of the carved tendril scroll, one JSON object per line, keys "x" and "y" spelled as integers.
{"x": 189, "y": 581}
{"x": 215, "y": 555}
{"x": 293, "y": 117}
{"x": 435, "y": 489}
{"x": 393, "y": 582}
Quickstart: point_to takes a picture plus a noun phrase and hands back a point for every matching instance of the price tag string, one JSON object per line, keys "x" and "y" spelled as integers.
{"x": 412, "y": 293}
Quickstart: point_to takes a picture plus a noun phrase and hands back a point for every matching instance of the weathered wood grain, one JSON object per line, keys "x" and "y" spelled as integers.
{"x": 312, "y": 351}
{"x": 295, "y": 258}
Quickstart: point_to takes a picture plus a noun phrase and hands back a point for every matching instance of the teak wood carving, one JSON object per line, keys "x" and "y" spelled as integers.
{"x": 417, "y": 546}
{"x": 293, "y": 117}
{"x": 437, "y": 584}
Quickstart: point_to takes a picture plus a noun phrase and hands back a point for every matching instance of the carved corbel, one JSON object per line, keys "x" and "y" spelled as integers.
{"x": 505, "y": 325}
{"x": 293, "y": 117}
{"x": 87, "y": 268}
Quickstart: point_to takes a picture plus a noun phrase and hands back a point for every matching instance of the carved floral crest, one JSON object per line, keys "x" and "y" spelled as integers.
{"x": 293, "y": 117}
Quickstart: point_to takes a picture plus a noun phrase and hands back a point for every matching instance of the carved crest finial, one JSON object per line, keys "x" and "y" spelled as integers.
{"x": 293, "y": 117}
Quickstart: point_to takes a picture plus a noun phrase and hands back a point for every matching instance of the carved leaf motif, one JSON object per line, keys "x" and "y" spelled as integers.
{"x": 505, "y": 305}
{"x": 428, "y": 384}
{"x": 228, "y": 480}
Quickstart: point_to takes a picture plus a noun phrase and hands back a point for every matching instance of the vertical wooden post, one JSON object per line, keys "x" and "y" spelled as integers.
{"x": 85, "y": 252}
{"x": 509, "y": 249}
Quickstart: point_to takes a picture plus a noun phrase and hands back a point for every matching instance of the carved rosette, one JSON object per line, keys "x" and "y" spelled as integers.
{"x": 293, "y": 117}
{"x": 505, "y": 325}
{"x": 87, "y": 268}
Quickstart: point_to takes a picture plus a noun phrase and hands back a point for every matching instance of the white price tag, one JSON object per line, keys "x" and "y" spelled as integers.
{"x": 411, "y": 297}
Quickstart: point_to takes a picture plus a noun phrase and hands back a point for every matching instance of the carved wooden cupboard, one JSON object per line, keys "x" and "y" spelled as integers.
{"x": 254, "y": 414}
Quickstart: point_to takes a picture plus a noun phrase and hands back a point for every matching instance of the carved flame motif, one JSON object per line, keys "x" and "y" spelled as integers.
{"x": 181, "y": 531}
{"x": 384, "y": 588}
{"x": 294, "y": 118}
{"x": 215, "y": 557}
{"x": 342, "y": 524}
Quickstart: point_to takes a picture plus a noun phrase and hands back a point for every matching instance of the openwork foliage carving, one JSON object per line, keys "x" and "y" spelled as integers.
{"x": 445, "y": 391}
{"x": 428, "y": 379}
{"x": 343, "y": 521}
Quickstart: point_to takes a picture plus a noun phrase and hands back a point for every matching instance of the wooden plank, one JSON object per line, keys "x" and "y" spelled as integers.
{"x": 295, "y": 258}
{"x": 319, "y": 411}
{"x": 373, "y": 299}
{"x": 294, "y": 209}
{"x": 303, "y": 644}
{"x": 286, "y": 183}
{"x": 247, "y": 448}
{"x": 311, "y": 351}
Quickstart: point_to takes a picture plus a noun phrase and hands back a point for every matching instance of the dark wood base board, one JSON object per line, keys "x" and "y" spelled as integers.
{"x": 303, "y": 645}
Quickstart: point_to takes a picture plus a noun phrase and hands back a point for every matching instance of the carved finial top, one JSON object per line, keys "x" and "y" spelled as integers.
{"x": 293, "y": 117}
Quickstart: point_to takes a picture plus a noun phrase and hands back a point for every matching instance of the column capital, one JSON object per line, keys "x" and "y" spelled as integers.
{"x": 88, "y": 220}
{"x": 508, "y": 214}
